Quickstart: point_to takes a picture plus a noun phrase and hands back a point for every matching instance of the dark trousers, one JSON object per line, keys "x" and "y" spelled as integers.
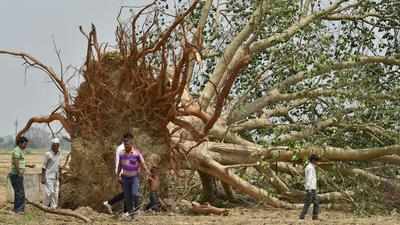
{"x": 311, "y": 197}
{"x": 154, "y": 204}
{"x": 131, "y": 186}
{"x": 17, "y": 182}
{"x": 117, "y": 198}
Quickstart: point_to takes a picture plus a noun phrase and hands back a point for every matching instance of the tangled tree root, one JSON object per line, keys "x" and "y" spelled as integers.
{"x": 62, "y": 212}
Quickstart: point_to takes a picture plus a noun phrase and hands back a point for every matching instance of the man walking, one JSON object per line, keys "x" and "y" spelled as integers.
{"x": 51, "y": 174}
{"x": 311, "y": 188}
{"x": 128, "y": 170}
{"x": 119, "y": 151}
{"x": 16, "y": 175}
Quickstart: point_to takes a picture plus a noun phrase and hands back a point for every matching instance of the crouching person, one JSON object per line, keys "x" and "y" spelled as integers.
{"x": 311, "y": 188}
{"x": 51, "y": 174}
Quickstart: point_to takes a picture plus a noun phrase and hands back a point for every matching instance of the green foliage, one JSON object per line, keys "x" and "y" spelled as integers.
{"x": 364, "y": 102}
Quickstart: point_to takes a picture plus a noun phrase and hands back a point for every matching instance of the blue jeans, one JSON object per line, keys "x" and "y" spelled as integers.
{"x": 130, "y": 186}
{"x": 117, "y": 198}
{"x": 17, "y": 182}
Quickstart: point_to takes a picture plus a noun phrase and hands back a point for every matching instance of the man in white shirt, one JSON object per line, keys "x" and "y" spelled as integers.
{"x": 120, "y": 196}
{"x": 51, "y": 174}
{"x": 311, "y": 188}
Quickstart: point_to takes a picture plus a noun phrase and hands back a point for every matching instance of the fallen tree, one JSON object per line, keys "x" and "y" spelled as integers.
{"x": 273, "y": 89}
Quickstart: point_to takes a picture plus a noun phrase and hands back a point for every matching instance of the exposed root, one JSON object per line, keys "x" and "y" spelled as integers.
{"x": 46, "y": 119}
{"x": 60, "y": 212}
{"x": 207, "y": 209}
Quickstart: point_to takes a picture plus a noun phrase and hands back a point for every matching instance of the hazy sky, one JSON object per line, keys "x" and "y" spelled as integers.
{"x": 29, "y": 26}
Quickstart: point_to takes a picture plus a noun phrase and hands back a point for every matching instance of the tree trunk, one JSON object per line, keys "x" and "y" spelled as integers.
{"x": 92, "y": 179}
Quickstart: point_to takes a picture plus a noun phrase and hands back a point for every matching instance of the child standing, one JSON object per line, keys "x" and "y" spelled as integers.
{"x": 154, "y": 184}
{"x": 311, "y": 188}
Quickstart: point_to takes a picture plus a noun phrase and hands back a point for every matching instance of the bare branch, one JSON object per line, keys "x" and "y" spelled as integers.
{"x": 167, "y": 33}
{"x": 275, "y": 95}
{"x": 278, "y": 184}
{"x": 308, "y": 132}
{"x": 211, "y": 167}
{"x": 390, "y": 159}
{"x": 263, "y": 120}
{"x": 222, "y": 65}
{"x": 350, "y": 17}
{"x": 292, "y": 30}
{"x": 198, "y": 38}
{"x": 237, "y": 154}
{"x": 58, "y": 53}
{"x": 203, "y": 20}
{"x": 241, "y": 165}
{"x": 31, "y": 61}
{"x": 224, "y": 93}
{"x": 334, "y": 153}
{"x": 60, "y": 212}
{"x": 47, "y": 119}
{"x": 354, "y": 172}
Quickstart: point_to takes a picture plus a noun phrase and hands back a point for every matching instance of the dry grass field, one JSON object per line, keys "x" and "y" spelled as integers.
{"x": 237, "y": 216}
{"x": 33, "y": 158}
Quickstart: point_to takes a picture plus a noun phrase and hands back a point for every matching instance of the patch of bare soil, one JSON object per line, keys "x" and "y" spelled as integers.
{"x": 237, "y": 216}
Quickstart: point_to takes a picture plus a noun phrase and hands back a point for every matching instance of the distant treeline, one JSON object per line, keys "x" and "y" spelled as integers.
{"x": 39, "y": 138}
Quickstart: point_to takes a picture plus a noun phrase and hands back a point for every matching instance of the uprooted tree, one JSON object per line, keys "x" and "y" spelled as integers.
{"x": 222, "y": 87}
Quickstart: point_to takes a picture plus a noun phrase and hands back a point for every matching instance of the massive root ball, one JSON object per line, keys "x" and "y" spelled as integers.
{"x": 128, "y": 89}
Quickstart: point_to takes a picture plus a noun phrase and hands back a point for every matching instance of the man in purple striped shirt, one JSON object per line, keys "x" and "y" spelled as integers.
{"x": 120, "y": 196}
{"x": 129, "y": 163}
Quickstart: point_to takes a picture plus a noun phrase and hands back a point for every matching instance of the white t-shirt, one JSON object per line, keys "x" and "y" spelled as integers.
{"x": 120, "y": 150}
{"x": 310, "y": 177}
{"x": 51, "y": 164}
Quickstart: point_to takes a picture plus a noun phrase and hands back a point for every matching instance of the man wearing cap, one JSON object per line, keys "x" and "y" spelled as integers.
{"x": 16, "y": 175}
{"x": 51, "y": 174}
